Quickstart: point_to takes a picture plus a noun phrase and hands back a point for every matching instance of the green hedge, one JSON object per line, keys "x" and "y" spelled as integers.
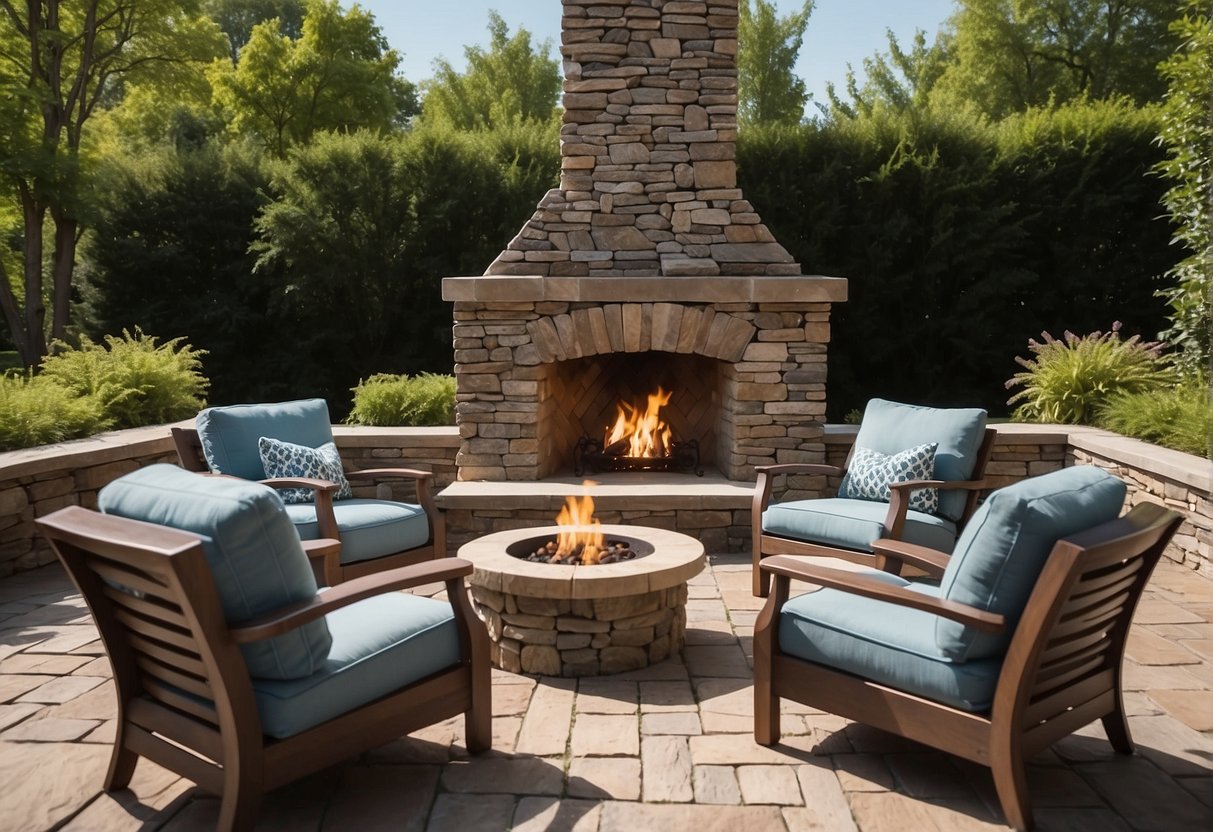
{"x": 960, "y": 240}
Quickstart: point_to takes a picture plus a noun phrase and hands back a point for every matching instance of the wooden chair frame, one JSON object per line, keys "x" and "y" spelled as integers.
{"x": 333, "y": 572}
{"x": 172, "y": 652}
{"x": 765, "y": 545}
{"x": 1063, "y": 668}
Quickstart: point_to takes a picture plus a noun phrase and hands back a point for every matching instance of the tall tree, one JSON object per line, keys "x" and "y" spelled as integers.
{"x": 1008, "y": 55}
{"x": 338, "y": 75}
{"x": 59, "y": 62}
{"x": 1187, "y": 134}
{"x": 901, "y": 79}
{"x": 511, "y": 81}
{"x": 238, "y": 17}
{"x": 768, "y": 89}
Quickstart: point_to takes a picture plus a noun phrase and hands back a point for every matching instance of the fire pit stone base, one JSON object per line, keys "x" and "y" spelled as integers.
{"x": 582, "y": 637}
{"x": 558, "y": 620}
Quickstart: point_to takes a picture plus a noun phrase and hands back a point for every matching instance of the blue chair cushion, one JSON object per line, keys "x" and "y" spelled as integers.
{"x": 252, "y": 549}
{"x": 853, "y": 524}
{"x": 229, "y": 435}
{"x": 1000, "y": 555}
{"x": 885, "y": 643}
{"x": 380, "y": 645}
{"x": 368, "y": 528}
{"x": 889, "y": 427}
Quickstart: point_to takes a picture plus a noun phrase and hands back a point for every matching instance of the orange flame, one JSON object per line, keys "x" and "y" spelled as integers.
{"x": 579, "y": 528}
{"x": 645, "y": 433}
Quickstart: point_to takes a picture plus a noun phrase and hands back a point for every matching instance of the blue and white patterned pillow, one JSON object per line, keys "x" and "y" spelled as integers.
{"x": 870, "y": 473}
{"x": 284, "y": 459}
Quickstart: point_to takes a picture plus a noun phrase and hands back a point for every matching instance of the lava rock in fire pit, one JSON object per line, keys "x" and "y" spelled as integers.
{"x": 614, "y": 552}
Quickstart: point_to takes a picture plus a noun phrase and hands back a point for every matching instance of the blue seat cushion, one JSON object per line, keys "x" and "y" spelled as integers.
{"x": 885, "y": 643}
{"x": 229, "y": 435}
{"x": 853, "y": 524}
{"x": 369, "y": 528}
{"x": 251, "y": 547}
{"x": 1000, "y": 555}
{"x": 380, "y": 645}
{"x": 891, "y": 427}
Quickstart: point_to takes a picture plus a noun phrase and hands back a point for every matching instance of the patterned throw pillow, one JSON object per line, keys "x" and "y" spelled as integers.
{"x": 870, "y": 473}
{"x": 284, "y": 459}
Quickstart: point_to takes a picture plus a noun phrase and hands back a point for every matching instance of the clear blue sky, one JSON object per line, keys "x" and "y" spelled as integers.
{"x": 840, "y": 31}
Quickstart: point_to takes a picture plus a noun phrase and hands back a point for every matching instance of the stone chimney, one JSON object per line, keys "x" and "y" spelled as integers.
{"x": 648, "y": 180}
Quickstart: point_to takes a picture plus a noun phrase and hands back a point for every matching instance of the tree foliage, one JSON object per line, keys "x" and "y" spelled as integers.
{"x": 769, "y": 92}
{"x": 511, "y": 81}
{"x": 901, "y": 79}
{"x": 338, "y": 75}
{"x": 238, "y": 17}
{"x": 1009, "y": 55}
{"x": 1187, "y": 133}
{"x": 59, "y": 62}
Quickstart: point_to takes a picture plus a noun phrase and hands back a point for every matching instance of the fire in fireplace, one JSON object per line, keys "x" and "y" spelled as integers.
{"x": 639, "y": 440}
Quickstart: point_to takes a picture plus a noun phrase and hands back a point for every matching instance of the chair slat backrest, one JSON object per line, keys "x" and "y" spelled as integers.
{"x": 158, "y": 614}
{"x": 1070, "y": 643}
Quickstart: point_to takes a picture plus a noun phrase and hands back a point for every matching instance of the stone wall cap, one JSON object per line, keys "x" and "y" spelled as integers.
{"x": 363, "y": 436}
{"x": 756, "y": 289}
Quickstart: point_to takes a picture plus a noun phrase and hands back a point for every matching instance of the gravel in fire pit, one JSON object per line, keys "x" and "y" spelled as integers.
{"x": 614, "y": 552}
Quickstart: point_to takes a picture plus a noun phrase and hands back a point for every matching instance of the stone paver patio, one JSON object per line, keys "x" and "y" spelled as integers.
{"x": 664, "y": 748}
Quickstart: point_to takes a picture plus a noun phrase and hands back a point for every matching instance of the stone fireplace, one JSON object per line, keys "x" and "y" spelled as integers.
{"x": 645, "y": 267}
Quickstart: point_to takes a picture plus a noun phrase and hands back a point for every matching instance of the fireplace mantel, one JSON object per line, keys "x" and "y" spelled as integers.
{"x": 616, "y": 289}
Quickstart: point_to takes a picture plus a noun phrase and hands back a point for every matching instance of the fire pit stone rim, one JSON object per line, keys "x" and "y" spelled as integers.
{"x": 676, "y": 558}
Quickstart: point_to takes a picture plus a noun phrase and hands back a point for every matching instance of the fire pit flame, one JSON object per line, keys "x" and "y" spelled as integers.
{"x": 580, "y": 531}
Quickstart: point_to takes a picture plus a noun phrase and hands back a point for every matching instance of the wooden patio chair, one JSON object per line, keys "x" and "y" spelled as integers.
{"x": 883, "y": 494}
{"x": 230, "y": 669}
{"x": 375, "y": 534}
{"x": 1020, "y": 645}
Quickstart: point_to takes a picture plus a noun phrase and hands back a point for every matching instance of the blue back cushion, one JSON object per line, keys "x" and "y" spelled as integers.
{"x": 229, "y": 434}
{"x": 251, "y": 546}
{"x": 1003, "y": 549}
{"x": 890, "y": 427}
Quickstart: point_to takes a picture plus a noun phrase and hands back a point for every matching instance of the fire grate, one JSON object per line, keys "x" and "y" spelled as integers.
{"x": 589, "y": 455}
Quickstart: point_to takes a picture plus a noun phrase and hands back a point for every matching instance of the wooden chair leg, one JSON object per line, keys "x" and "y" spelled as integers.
{"x": 1116, "y": 726}
{"x": 122, "y": 765}
{"x": 762, "y": 581}
{"x": 1011, "y": 784}
{"x": 478, "y": 720}
{"x": 766, "y": 712}
{"x": 241, "y": 798}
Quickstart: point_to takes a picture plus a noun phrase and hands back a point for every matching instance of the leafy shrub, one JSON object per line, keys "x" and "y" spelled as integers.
{"x": 37, "y": 411}
{"x": 385, "y": 400}
{"x": 135, "y": 381}
{"x": 1178, "y": 417}
{"x": 1069, "y": 378}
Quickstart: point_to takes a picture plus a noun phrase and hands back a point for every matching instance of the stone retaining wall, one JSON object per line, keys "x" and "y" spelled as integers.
{"x": 37, "y": 481}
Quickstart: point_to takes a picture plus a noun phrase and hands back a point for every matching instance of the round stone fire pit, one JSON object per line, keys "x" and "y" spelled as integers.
{"x": 558, "y": 620}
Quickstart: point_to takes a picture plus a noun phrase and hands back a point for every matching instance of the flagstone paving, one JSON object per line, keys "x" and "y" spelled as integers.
{"x": 667, "y": 747}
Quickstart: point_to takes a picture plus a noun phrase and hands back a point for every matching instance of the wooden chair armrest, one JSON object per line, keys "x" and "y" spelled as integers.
{"x": 321, "y": 548}
{"x": 786, "y": 568}
{"x": 801, "y": 468}
{"x": 323, "y": 486}
{"x": 389, "y": 473}
{"x": 962, "y": 485}
{"x": 931, "y": 561}
{"x": 288, "y": 618}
